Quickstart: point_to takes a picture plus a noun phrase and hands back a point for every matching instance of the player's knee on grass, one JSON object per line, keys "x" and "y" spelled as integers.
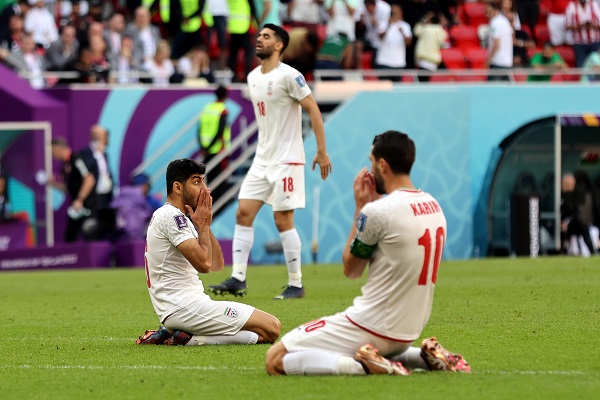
{"x": 266, "y": 326}
{"x": 274, "y": 359}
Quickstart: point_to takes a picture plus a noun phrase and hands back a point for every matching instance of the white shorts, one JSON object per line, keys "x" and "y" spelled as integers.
{"x": 336, "y": 334}
{"x": 207, "y": 317}
{"x": 280, "y": 186}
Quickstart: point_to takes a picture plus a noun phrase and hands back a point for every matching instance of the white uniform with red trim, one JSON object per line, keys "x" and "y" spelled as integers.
{"x": 408, "y": 228}
{"x": 277, "y": 173}
{"x": 176, "y": 292}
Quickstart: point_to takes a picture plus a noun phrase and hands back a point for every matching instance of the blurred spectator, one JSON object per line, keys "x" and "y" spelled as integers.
{"x": 114, "y": 34}
{"x": 374, "y": 19}
{"x": 431, "y": 39}
{"x": 63, "y": 53}
{"x": 145, "y": 36}
{"x": 95, "y": 153}
{"x": 591, "y": 64}
{"x": 41, "y": 24}
{"x": 5, "y": 208}
{"x": 267, "y": 12}
{"x": 413, "y": 12}
{"x": 196, "y": 64}
{"x": 583, "y": 19}
{"x": 126, "y": 64}
{"x": 341, "y": 18}
{"x": 188, "y": 35}
{"x": 19, "y": 8}
{"x": 529, "y": 12}
{"x": 557, "y": 25}
{"x": 220, "y": 11}
{"x": 500, "y": 41}
{"x": 301, "y": 53}
{"x": 240, "y": 36}
{"x": 160, "y": 66}
{"x": 79, "y": 182}
{"x": 579, "y": 212}
{"x": 394, "y": 40}
{"x": 134, "y": 206}
{"x": 96, "y": 9}
{"x": 26, "y": 61}
{"x": 335, "y": 53}
{"x": 100, "y": 60}
{"x": 305, "y": 13}
{"x": 88, "y": 71}
{"x": 64, "y": 14}
{"x": 547, "y": 60}
{"x": 214, "y": 136}
{"x": 11, "y": 39}
{"x": 522, "y": 42}
{"x": 508, "y": 9}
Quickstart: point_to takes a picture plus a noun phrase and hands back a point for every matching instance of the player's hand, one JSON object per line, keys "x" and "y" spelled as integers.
{"x": 364, "y": 188}
{"x": 202, "y": 215}
{"x": 322, "y": 158}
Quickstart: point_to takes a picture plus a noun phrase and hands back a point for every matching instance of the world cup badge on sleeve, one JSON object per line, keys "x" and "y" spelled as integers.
{"x": 361, "y": 222}
{"x": 300, "y": 80}
{"x": 181, "y": 221}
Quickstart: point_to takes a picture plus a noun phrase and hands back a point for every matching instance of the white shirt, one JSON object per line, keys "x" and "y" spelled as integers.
{"x": 276, "y": 96}
{"x": 306, "y": 11}
{"x": 172, "y": 281}
{"x": 104, "y": 184}
{"x": 148, "y": 42}
{"x": 41, "y": 24}
{"x": 501, "y": 29}
{"x": 392, "y": 50}
{"x": 218, "y": 8}
{"x": 409, "y": 229}
{"x": 160, "y": 72}
{"x": 382, "y": 17}
{"x": 341, "y": 21}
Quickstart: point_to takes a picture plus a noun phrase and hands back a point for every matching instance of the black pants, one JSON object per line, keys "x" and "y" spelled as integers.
{"x": 236, "y": 43}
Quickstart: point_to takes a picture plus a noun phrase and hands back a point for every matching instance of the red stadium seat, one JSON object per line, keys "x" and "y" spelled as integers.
{"x": 464, "y": 37}
{"x": 567, "y": 54}
{"x": 541, "y": 34}
{"x": 475, "y": 14}
{"x": 367, "y": 57}
{"x": 454, "y": 58}
{"x": 527, "y": 30}
{"x": 476, "y": 57}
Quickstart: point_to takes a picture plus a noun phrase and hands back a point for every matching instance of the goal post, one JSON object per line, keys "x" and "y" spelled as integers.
{"x": 46, "y": 128}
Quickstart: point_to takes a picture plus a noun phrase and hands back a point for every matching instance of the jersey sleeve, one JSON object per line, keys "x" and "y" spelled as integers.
{"x": 297, "y": 86}
{"x": 177, "y": 228}
{"x": 369, "y": 226}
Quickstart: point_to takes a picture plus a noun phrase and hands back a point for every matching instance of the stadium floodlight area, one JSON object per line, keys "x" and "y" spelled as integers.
{"x": 45, "y": 128}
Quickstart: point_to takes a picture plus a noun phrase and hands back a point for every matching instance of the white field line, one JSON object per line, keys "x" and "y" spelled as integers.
{"x": 229, "y": 368}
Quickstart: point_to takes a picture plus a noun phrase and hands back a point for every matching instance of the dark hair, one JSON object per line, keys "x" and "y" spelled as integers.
{"x": 59, "y": 141}
{"x": 397, "y": 149}
{"x": 281, "y": 35}
{"x": 181, "y": 170}
{"x": 221, "y": 92}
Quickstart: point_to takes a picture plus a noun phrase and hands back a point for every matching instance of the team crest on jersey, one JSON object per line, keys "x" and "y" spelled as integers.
{"x": 361, "y": 221}
{"x": 300, "y": 80}
{"x": 270, "y": 88}
{"x": 231, "y": 312}
{"x": 181, "y": 221}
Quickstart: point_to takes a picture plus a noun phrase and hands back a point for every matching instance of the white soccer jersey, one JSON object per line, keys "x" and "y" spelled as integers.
{"x": 409, "y": 229}
{"x": 172, "y": 281}
{"x": 275, "y": 97}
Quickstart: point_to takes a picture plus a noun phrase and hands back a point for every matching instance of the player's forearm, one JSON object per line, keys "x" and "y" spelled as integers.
{"x": 205, "y": 263}
{"x": 352, "y": 268}
{"x": 317, "y": 124}
{"x": 217, "y": 254}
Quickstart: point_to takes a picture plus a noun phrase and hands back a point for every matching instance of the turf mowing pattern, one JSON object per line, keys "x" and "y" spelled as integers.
{"x": 529, "y": 329}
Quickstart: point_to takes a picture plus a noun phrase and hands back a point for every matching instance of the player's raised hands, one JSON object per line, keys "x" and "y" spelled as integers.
{"x": 322, "y": 158}
{"x": 364, "y": 188}
{"x": 202, "y": 215}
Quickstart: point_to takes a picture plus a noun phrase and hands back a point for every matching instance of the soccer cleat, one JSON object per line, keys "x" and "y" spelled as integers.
{"x": 178, "y": 338}
{"x": 291, "y": 292}
{"x": 154, "y": 337}
{"x": 439, "y": 359}
{"x": 376, "y": 364}
{"x": 230, "y": 286}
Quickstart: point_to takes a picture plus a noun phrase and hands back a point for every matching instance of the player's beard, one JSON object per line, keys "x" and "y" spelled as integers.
{"x": 379, "y": 183}
{"x": 265, "y": 52}
{"x": 189, "y": 199}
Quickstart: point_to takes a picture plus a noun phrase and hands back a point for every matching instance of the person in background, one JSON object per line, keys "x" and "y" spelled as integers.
{"x": 394, "y": 41}
{"x": 79, "y": 182}
{"x": 160, "y": 67}
{"x": 431, "y": 39}
{"x": 214, "y": 136}
{"x": 40, "y": 22}
{"x": 547, "y": 60}
{"x": 26, "y": 61}
{"x": 500, "y": 41}
{"x": 63, "y": 53}
{"x": 5, "y": 208}
{"x": 592, "y": 66}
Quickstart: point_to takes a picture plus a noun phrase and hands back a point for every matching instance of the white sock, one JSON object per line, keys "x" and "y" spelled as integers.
{"x": 412, "y": 359}
{"x": 292, "y": 248}
{"x": 316, "y": 362}
{"x": 242, "y": 337}
{"x": 243, "y": 239}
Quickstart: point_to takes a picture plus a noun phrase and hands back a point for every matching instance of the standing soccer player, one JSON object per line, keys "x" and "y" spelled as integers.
{"x": 401, "y": 237}
{"x": 278, "y": 93}
{"x": 179, "y": 245}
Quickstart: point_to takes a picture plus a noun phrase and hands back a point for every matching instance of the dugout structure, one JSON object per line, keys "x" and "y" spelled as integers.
{"x": 531, "y": 163}
{"x": 9, "y": 133}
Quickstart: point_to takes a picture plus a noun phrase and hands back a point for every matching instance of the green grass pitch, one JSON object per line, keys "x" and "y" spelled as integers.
{"x": 529, "y": 329}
